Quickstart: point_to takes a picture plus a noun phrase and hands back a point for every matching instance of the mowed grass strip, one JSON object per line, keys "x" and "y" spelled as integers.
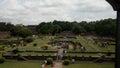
{"x": 40, "y": 42}
{"x": 84, "y": 43}
{"x": 110, "y": 48}
{"x": 90, "y": 65}
{"x": 19, "y": 64}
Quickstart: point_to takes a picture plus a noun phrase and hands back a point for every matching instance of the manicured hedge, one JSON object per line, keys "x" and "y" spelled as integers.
{"x": 49, "y": 60}
{"x": 2, "y": 60}
{"x": 66, "y": 62}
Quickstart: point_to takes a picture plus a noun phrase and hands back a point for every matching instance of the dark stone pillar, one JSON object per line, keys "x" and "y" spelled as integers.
{"x": 118, "y": 41}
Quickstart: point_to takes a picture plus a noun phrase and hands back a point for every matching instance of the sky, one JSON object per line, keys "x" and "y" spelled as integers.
{"x": 32, "y": 12}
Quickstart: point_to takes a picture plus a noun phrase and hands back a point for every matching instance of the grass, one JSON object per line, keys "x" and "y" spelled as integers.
{"x": 84, "y": 43}
{"x": 110, "y": 48}
{"x": 91, "y": 65}
{"x": 39, "y": 54}
{"x": 21, "y": 65}
{"x": 46, "y": 39}
{"x": 11, "y": 38}
{"x": 40, "y": 42}
{"x": 38, "y": 65}
{"x": 87, "y": 55}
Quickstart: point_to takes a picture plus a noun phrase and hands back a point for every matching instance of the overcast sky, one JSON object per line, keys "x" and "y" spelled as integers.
{"x": 35, "y": 11}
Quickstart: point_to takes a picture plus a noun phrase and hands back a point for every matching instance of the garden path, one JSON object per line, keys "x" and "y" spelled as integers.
{"x": 58, "y": 65}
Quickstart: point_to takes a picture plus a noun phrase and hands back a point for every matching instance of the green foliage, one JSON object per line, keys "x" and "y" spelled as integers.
{"x": 4, "y": 41}
{"x": 108, "y": 54}
{"x": 49, "y": 60}
{"x": 15, "y": 51}
{"x": 14, "y": 45}
{"x": 45, "y": 47}
{"x": 35, "y": 44}
{"x": 20, "y": 31}
{"x": 56, "y": 29}
{"x": 6, "y": 26}
{"x": 24, "y": 32}
{"x": 66, "y": 62}
{"x": 29, "y": 40}
{"x": 77, "y": 29}
{"x": 104, "y": 27}
{"x": 2, "y": 60}
{"x": 15, "y": 30}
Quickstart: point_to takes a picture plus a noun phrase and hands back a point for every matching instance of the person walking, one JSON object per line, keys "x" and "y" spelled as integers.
{"x": 45, "y": 65}
{"x": 53, "y": 64}
{"x": 42, "y": 65}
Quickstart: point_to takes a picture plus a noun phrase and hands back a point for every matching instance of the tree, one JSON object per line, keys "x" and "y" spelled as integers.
{"x": 56, "y": 29}
{"x": 102, "y": 27}
{"x": 24, "y": 32}
{"x": 77, "y": 29}
{"x": 16, "y": 29}
{"x": 105, "y": 27}
{"x": 2, "y": 60}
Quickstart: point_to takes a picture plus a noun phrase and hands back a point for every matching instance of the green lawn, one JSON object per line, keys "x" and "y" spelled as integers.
{"x": 11, "y": 38}
{"x": 83, "y": 41}
{"x": 38, "y": 65}
{"x": 21, "y": 65}
{"x": 110, "y": 48}
{"x": 91, "y": 65}
{"x": 40, "y": 42}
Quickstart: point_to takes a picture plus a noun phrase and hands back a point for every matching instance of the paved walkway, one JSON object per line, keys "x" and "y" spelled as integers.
{"x": 58, "y": 65}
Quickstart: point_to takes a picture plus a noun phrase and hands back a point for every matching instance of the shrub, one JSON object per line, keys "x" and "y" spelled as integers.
{"x": 14, "y": 45}
{"x": 103, "y": 56}
{"x": 49, "y": 61}
{"x": 3, "y": 48}
{"x": 34, "y": 44}
{"x": 29, "y": 40}
{"x": 24, "y": 44}
{"x": 46, "y": 47}
{"x": 66, "y": 62}
{"x": 4, "y": 41}
{"x": 2, "y": 60}
{"x": 108, "y": 54}
{"x": 15, "y": 51}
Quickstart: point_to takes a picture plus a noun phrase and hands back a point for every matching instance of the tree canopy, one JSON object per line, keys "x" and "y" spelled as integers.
{"x": 104, "y": 27}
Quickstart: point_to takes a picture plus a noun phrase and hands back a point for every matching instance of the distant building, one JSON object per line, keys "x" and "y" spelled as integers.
{"x": 66, "y": 34}
{"x": 5, "y": 34}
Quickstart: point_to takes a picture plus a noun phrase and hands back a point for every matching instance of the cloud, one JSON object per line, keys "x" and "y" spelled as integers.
{"x": 36, "y": 11}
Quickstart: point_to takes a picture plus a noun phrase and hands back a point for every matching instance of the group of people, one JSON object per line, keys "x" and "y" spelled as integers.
{"x": 44, "y": 65}
{"x": 64, "y": 52}
{"x": 103, "y": 44}
{"x": 82, "y": 48}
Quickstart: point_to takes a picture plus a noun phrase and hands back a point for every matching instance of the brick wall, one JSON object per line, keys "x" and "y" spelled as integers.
{"x": 5, "y": 34}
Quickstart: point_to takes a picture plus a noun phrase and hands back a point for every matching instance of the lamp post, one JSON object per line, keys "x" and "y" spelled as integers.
{"x": 116, "y": 7}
